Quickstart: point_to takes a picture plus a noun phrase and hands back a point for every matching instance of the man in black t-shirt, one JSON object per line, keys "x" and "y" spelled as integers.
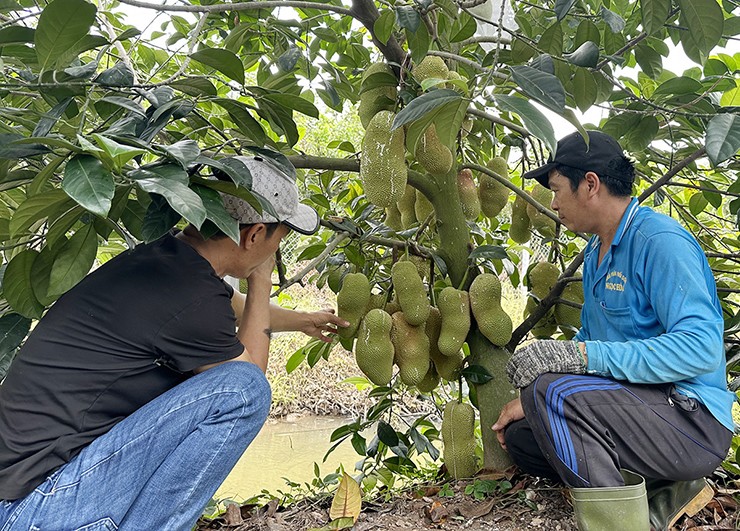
{"x": 120, "y": 412}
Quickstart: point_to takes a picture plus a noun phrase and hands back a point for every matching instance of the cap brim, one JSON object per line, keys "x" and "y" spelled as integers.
{"x": 541, "y": 174}
{"x": 305, "y": 220}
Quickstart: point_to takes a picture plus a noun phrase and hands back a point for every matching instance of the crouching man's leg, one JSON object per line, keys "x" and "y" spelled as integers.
{"x": 157, "y": 468}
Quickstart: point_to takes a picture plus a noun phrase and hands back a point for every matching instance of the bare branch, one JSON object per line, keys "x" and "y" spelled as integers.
{"x": 671, "y": 173}
{"x": 495, "y": 119}
{"x": 238, "y": 6}
{"x": 333, "y": 244}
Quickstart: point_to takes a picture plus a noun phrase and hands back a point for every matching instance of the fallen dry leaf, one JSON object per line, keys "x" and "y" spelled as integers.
{"x": 476, "y": 509}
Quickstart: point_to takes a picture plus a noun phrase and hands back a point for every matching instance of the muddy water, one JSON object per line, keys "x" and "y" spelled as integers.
{"x": 288, "y": 449}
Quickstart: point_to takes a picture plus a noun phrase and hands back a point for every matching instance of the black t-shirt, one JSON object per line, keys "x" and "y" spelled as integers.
{"x": 131, "y": 330}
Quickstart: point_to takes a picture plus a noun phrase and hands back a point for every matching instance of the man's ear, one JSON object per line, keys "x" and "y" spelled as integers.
{"x": 251, "y": 234}
{"x": 593, "y": 183}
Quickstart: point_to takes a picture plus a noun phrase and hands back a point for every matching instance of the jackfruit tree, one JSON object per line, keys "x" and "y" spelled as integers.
{"x": 408, "y": 126}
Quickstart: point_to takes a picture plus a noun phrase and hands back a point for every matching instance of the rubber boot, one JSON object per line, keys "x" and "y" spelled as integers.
{"x": 613, "y": 508}
{"x": 669, "y": 500}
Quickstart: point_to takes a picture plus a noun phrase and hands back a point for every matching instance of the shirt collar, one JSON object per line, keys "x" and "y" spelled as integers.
{"x": 627, "y": 217}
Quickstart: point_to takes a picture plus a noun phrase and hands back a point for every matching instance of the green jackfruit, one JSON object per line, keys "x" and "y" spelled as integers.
{"x": 374, "y": 350}
{"x": 412, "y": 295}
{"x": 430, "y": 67}
{"x": 377, "y": 300}
{"x": 519, "y": 228}
{"x": 393, "y": 217}
{"x": 492, "y": 194}
{"x": 382, "y": 163}
{"x": 422, "y": 207}
{"x": 432, "y": 154}
{"x": 542, "y": 277}
{"x": 448, "y": 367}
{"x": 430, "y": 381}
{"x": 406, "y": 206}
{"x": 352, "y": 301}
{"x": 485, "y": 301}
{"x": 568, "y": 317}
{"x": 393, "y": 306}
{"x": 454, "y": 307}
{"x": 411, "y": 350}
{"x": 541, "y": 222}
{"x": 458, "y": 437}
{"x": 420, "y": 263}
{"x": 376, "y": 99}
{"x": 454, "y": 76}
{"x": 468, "y": 193}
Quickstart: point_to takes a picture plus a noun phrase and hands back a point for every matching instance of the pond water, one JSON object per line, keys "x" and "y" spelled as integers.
{"x": 287, "y": 448}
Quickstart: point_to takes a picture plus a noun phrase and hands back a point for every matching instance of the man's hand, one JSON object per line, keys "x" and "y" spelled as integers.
{"x": 511, "y": 412}
{"x": 263, "y": 272}
{"x": 319, "y": 324}
{"x": 543, "y": 356}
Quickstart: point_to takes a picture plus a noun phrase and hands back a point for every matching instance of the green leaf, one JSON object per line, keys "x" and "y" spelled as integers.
{"x": 89, "y": 183}
{"x": 73, "y": 261}
{"x": 241, "y": 116}
{"x": 587, "y": 31}
{"x": 697, "y": 203}
{"x": 387, "y": 434}
{"x": 125, "y": 103}
{"x": 18, "y": 285}
{"x": 181, "y": 198}
{"x": 614, "y": 21}
{"x": 383, "y": 26}
{"x": 544, "y": 87}
{"x": 419, "y": 42}
{"x": 295, "y": 360}
{"x": 287, "y": 61}
{"x": 196, "y": 86}
{"x": 35, "y": 208}
{"x": 476, "y": 374}
{"x": 586, "y": 55}
{"x": 723, "y": 137}
{"x": 120, "y": 154}
{"x": 13, "y": 330}
{"x": 704, "y": 18}
{"x": 649, "y": 60}
{"x": 16, "y": 34}
{"x": 654, "y": 14}
{"x": 534, "y": 120}
{"x": 224, "y": 61}
{"x": 408, "y": 18}
{"x": 464, "y": 27}
{"x": 489, "y": 252}
{"x": 640, "y": 137}
{"x": 61, "y": 25}
{"x": 677, "y": 86}
{"x": 562, "y": 7}
{"x": 185, "y": 152}
{"x": 424, "y": 104}
{"x": 119, "y": 75}
{"x": 731, "y": 98}
{"x": 585, "y": 89}
{"x": 290, "y": 101}
{"x": 216, "y": 212}
{"x": 158, "y": 219}
{"x": 51, "y": 117}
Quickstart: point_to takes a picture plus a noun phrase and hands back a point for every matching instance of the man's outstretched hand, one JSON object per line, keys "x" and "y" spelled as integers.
{"x": 321, "y": 324}
{"x": 546, "y": 355}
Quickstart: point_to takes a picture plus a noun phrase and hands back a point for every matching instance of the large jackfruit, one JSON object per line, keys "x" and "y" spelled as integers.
{"x": 568, "y": 317}
{"x": 519, "y": 228}
{"x": 492, "y": 194}
{"x": 393, "y": 306}
{"x": 485, "y": 301}
{"x": 410, "y": 292}
{"x": 352, "y": 301}
{"x": 448, "y": 367}
{"x": 423, "y": 207}
{"x": 407, "y": 207}
{"x": 430, "y": 381}
{"x": 542, "y": 278}
{"x": 420, "y": 263}
{"x": 393, "y": 217}
{"x": 411, "y": 347}
{"x": 432, "y": 154}
{"x": 468, "y": 193}
{"x": 541, "y": 222}
{"x": 376, "y": 99}
{"x": 382, "y": 162}
{"x": 374, "y": 350}
{"x": 454, "y": 306}
{"x": 458, "y": 437}
{"x": 430, "y": 67}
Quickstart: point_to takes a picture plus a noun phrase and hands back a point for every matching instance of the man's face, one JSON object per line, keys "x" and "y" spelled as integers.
{"x": 263, "y": 249}
{"x": 569, "y": 205}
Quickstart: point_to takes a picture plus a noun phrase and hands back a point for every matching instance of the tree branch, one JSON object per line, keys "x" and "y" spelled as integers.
{"x": 495, "y": 119}
{"x": 336, "y": 241}
{"x": 239, "y": 6}
{"x": 670, "y": 174}
{"x": 366, "y": 12}
{"x": 324, "y": 163}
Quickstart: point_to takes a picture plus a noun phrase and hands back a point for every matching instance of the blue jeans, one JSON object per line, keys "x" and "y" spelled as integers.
{"x": 159, "y": 467}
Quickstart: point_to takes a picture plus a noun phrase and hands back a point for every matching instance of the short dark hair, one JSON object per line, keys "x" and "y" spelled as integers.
{"x": 270, "y": 229}
{"x": 619, "y": 180}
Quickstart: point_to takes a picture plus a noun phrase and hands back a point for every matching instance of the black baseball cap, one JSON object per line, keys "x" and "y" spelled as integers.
{"x": 600, "y": 154}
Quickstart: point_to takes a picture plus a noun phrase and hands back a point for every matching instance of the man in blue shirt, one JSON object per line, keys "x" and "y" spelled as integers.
{"x": 642, "y": 387}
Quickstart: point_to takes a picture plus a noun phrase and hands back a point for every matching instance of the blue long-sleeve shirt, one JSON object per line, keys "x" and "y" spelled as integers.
{"x": 651, "y": 312}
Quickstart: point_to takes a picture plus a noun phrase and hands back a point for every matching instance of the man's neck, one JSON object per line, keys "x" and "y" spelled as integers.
{"x": 610, "y": 218}
{"x": 206, "y": 248}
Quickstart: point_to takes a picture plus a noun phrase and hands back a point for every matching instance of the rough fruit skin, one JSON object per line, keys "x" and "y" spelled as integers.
{"x": 454, "y": 75}
{"x": 377, "y": 300}
{"x": 406, "y": 206}
{"x": 411, "y": 350}
{"x": 519, "y": 228}
{"x": 540, "y": 222}
{"x": 422, "y": 207}
{"x": 412, "y": 297}
{"x": 382, "y": 162}
{"x": 430, "y": 381}
{"x": 432, "y": 154}
{"x": 485, "y": 301}
{"x": 542, "y": 278}
{"x": 458, "y": 436}
{"x": 376, "y": 99}
{"x": 567, "y": 317}
{"x": 374, "y": 350}
{"x": 431, "y": 67}
{"x": 352, "y": 301}
{"x": 393, "y": 217}
{"x": 454, "y": 307}
{"x": 492, "y": 194}
{"x": 468, "y": 193}
{"x": 448, "y": 367}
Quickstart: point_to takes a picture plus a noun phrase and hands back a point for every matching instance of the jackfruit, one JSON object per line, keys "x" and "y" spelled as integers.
{"x": 454, "y": 307}
{"x": 377, "y": 300}
{"x": 568, "y": 317}
{"x": 545, "y": 327}
{"x": 432, "y": 154}
{"x": 542, "y": 278}
{"x": 406, "y": 206}
{"x": 458, "y": 437}
{"x": 393, "y": 306}
{"x": 374, "y": 350}
{"x": 430, "y": 67}
{"x": 541, "y": 222}
{"x": 423, "y": 207}
{"x": 485, "y": 301}
{"x": 456, "y": 86}
{"x": 468, "y": 193}
{"x": 376, "y": 99}
{"x": 393, "y": 217}
{"x": 352, "y": 301}
{"x": 410, "y": 292}
{"x": 492, "y": 194}
{"x": 430, "y": 381}
{"x": 448, "y": 367}
{"x": 420, "y": 263}
{"x": 411, "y": 350}
{"x": 382, "y": 163}
{"x": 519, "y": 228}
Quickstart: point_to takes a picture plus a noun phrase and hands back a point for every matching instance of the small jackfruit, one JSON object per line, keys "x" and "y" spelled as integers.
{"x": 542, "y": 277}
{"x": 430, "y": 381}
{"x": 420, "y": 263}
{"x": 374, "y": 350}
{"x": 382, "y": 163}
{"x": 448, "y": 367}
{"x": 432, "y": 154}
{"x": 376, "y": 99}
{"x": 393, "y": 217}
{"x": 411, "y": 350}
{"x": 541, "y": 222}
{"x": 430, "y": 67}
{"x": 468, "y": 193}
{"x": 454, "y": 306}
{"x": 485, "y": 301}
{"x": 377, "y": 300}
{"x": 422, "y": 207}
{"x": 406, "y": 206}
{"x": 352, "y": 301}
{"x": 492, "y": 194}
{"x": 412, "y": 295}
{"x": 519, "y": 228}
{"x": 458, "y": 437}
{"x": 568, "y": 317}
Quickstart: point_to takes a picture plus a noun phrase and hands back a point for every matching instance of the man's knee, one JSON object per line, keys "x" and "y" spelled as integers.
{"x": 242, "y": 382}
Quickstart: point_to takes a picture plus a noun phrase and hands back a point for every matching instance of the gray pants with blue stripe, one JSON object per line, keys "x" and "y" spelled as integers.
{"x": 582, "y": 429}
